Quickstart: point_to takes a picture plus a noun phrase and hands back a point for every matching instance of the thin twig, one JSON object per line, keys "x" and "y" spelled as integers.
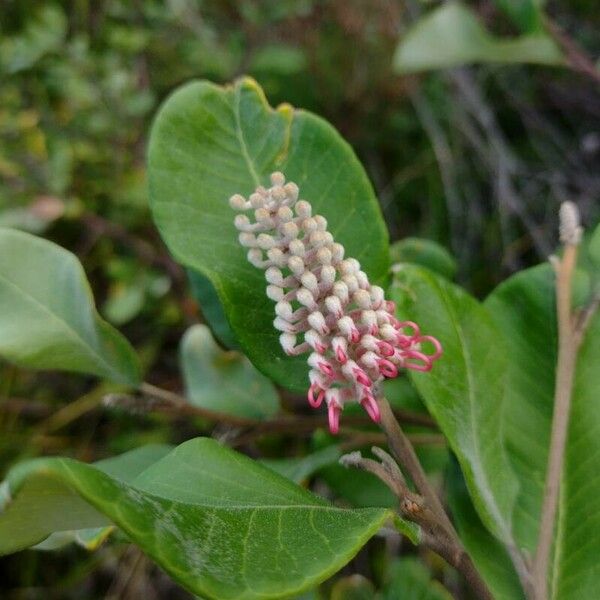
{"x": 172, "y": 403}
{"x": 415, "y": 508}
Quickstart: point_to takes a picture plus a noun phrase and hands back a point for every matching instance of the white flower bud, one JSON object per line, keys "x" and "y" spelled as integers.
{"x": 284, "y": 310}
{"x": 289, "y": 230}
{"x": 303, "y": 210}
{"x": 288, "y": 342}
{"x": 306, "y": 298}
{"x": 337, "y": 253}
{"x": 340, "y": 289}
{"x": 283, "y": 325}
{"x": 255, "y": 257}
{"x": 309, "y": 225}
{"x": 297, "y": 248}
{"x": 310, "y": 282}
{"x": 334, "y": 306}
{"x": 277, "y": 178}
{"x": 277, "y": 256}
{"x": 363, "y": 280}
{"x": 285, "y": 214}
{"x": 324, "y": 256}
{"x": 327, "y": 276}
{"x": 241, "y": 222}
{"x": 362, "y": 298}
{"x": 348, "y": 267}
{"x": 273, "y": 275}
{"x": 351, "y": 283}
{"x": 315, "y": 341}
{"x": 247, "y": 239}
{"x": 238, "y": 202}
{"x": 317, "y": 321}
{"x": 296, "y": 265}
{"x": 291, "y": 189}
{"x": 321, "y": 222}
{"x": 377, "y": 296}
{"x": 257, "y": 200}
{"x": 275, "y": 293}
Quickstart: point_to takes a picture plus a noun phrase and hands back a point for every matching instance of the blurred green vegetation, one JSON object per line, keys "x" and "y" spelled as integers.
{"x": 474, "y": 159}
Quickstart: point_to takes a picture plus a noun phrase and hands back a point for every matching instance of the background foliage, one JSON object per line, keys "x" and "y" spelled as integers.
{"x": 475, "y": 159}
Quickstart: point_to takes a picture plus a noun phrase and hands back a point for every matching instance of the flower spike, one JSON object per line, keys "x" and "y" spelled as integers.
{"x": 324, "y": 303}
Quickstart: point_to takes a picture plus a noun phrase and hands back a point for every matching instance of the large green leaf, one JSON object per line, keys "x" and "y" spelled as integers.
{"x": 451, "y": 35}
{"x": 524, "y": 307}
{"x": 47, "y": 314}
{"x": 224, "y": 381}
{"x": 125, "y": 467}
{"x": 220, "y": 524}
{"x": 464, "y": 391}
{"x": 488, "y": 554}
{"x": 426, "y": 253}
{"x": 209, "y": 142}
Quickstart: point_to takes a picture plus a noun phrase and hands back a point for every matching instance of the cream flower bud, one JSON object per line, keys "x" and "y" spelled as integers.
{"x": 277, "y": 178}
{"x": 340, "y": 289}
{"x": 306, "y": 298}
{"x": 296, "y": 265}
{"x": 241, "y": 222}
{"x": 362, "y": 298}
{"x": 247, "y": 239}
{"x": 277, "y": 256}
{"x": 255, "y": 257}
{"x": 238, "y": 202}
{"x": 275, "y": 293}
{"x": 310, "y": 282}
{"x": 337, "y": 253}
{"x": 285, "y": 214}
{"x": 291, "y": 189}
{"x": 290, "y": 230}
{"x": 284, "y": 310}
{"x": 334, "y": 306}
{"x": 317, "y": 321}
{"x": 297, "y": 248}
{"x": 273, "y": 275}
{"x": 321, "y": 222}
{"x": 303, "y": 210}
{"x": 288, "y": 342}
{"x": 324, "y": 256}
{"x": 257, "y": 200}
{"x": 309, "y": 225}
{"x": 327, "y": 276}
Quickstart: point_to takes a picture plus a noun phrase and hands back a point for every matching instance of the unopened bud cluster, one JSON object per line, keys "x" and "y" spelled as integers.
{"x": 325, "y": 304}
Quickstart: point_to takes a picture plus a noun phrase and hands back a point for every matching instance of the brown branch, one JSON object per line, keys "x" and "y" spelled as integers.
{"x": 415, "y": 508}
{"x": 577, "y": 58}
{"x": 405, "y": 454}
{"x": 157, "y": 399}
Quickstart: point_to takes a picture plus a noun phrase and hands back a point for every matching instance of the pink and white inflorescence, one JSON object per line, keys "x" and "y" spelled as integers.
{"x": 325, "y": 304}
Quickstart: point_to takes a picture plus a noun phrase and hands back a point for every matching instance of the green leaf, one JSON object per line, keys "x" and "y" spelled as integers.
{"x": 488, "y": 554}
{"x": 209, "y": 142}
{"x": 212, "y": 309}
{"x": 464, "y": 390}
{"x": 409, "y": 579}
{"x": 524, "y": 307}
{"x": 425, "y": 253}
{"x": 126, "y": 468}
{"x": 451, "y": 35}
{"x": 220, "y": 524}
{"x": 224, "y": 381}
{"x": 301, "y": 468}
{"x": 47, "y": 314}
{"x": 526, "y": 14}
{"x": 593, "y": 247}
